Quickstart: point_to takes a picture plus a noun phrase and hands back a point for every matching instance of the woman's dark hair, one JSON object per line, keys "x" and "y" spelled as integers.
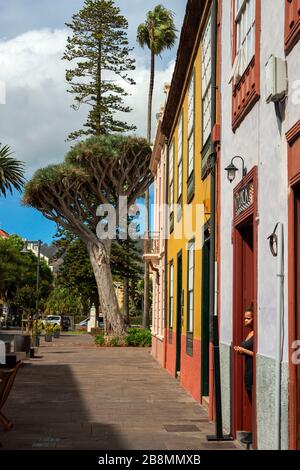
{"x": 250, "y": 309}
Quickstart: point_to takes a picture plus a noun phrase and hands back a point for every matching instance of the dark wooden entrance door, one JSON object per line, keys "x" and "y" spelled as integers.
{"x": 244, "y": 279}
{"x": 205, "y": 318}
{"x": 297, "y": 306}
{"x": 180, "y": 298}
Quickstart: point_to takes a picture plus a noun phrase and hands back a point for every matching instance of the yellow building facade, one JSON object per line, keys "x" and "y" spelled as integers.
{"x": 187, "y": 125}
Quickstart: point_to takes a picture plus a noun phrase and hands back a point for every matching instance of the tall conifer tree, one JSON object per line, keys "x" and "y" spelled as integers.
{"x": 101, "y": 55}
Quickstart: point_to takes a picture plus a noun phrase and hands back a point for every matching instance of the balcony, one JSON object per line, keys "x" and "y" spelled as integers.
{"x": 153, "y": 254}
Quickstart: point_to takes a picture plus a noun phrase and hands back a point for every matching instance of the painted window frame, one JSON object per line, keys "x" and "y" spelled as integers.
{"x": 245, "y": 30}
{"x": 190, "y": 319}
{"x": 292, "y": 24}
{"x": 246, "y": 91}
{"x": 206, "y": 88}
{"x": 191, "y": 137}
{"x": 180, "y": 157}
{"x": 180, "y": 141}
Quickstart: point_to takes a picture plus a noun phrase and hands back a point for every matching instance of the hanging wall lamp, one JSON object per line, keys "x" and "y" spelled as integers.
{"x": 232, "y": 169}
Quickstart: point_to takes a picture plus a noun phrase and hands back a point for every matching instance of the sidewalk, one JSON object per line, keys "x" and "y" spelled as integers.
{"x": 77, "y": 396}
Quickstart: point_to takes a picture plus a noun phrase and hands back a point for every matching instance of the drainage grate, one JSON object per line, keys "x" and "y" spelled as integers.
{"x": 181, "y": 428}
{"x": 62, "y": 352}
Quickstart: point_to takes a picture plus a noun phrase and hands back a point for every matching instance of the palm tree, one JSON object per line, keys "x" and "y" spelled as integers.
{"x": 158, "y": 33}
{"x": 11, "y": 172}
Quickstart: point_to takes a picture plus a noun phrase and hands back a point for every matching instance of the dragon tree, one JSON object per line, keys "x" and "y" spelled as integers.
{"x": 95, "y": 172}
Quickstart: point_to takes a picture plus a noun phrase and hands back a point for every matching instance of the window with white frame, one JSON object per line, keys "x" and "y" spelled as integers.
{"x": 190, "y": 313}
{"x": 171, "y": 296}
{"x": 206, "y": 83}
{"x": 180, "y": 155}
{"x": 245, "y": 33}
{"x": 171, "y": 176}
{"x": 191, "y": 119}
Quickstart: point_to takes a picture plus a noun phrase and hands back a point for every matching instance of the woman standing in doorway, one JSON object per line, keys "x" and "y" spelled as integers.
{"x": 246, "y": 349}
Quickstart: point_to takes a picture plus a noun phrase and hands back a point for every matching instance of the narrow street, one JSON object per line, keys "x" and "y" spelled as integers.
{"x": 77, "y": 396}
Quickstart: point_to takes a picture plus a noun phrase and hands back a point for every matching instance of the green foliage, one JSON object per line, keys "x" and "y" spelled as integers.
{"x": 96, "y": 171}
{"x": 49, "y": 179}
{"x": 99, "y": 48}
{"x": 69, "y": 194}
{"x": 11, "y": 172}
{"x": 136, "y": 320}
{"x": 18, "y": 275}
{"x": 37, "y": 328}
{"x": 100, "y": 340}
{"x": 48, "y": 329}
{"x": 115, "y": 341}
{"x": 76, "y": 273}
{"x": 56, "y": 328}
{"x": 63, "y": 302}
{"x": 138, "y": 337}
{"x": 158, "y": 32}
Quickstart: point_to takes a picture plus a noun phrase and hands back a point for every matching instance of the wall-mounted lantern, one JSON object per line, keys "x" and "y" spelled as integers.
{"x": 232, "y": 169}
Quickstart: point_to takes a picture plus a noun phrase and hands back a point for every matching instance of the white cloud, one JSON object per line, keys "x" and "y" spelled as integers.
{"x": 37, "y": 118}
{"x": 139, "y": 95}
{"x": 31, "y": 58}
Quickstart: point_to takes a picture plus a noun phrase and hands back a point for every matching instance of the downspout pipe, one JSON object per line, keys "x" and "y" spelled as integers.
{"x": 214, "y": 319}
{"x": 279, "y": 327}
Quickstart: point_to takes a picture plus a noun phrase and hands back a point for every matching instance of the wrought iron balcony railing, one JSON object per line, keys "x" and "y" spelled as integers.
{"x": 153, "y": 247}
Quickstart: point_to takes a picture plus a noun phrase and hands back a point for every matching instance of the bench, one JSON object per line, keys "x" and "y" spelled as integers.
{"x": 7, "y": 377}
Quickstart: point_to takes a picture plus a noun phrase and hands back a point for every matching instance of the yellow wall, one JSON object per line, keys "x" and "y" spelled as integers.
{"x": 201, "y": 196}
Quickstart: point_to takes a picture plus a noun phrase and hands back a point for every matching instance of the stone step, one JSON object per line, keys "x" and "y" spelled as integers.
{"x": 205, "y": 403}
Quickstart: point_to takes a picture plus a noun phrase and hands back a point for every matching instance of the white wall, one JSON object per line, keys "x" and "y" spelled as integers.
{"x": 261, "y": 141}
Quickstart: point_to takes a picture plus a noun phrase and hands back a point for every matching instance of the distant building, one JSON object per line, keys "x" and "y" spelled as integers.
{"x": 157, "y": 244}
{"x": 47, "y": 254}
{"x": 3, "y": 234}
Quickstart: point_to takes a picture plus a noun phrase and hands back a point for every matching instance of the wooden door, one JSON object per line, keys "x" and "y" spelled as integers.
{"x": 243, "y": 296}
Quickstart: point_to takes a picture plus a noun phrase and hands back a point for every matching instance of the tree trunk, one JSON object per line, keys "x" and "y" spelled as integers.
{"x": 151, "y": 87}
{"x": 126, "y": 300}
{"x": 113, "y": 320}
{"x": 146, "y": 317}
{"x": 99, "y": 92}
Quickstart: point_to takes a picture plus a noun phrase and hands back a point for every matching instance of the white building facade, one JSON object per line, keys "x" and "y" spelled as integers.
{"x": 156, "y": 256}
{"x": 263, "y": 134}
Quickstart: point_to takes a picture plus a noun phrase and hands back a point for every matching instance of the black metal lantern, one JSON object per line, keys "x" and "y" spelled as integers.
{"x": 232, "y": 169}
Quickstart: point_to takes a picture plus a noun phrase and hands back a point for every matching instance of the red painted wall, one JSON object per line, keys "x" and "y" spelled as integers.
{"x": 157, "y": 351}
{"x": 190, "y": 373}
{"x": 190, "y": 377}
{"x": 171, "y": 353}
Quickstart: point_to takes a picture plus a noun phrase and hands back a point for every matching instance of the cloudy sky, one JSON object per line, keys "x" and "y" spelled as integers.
{"x": 36, "y": 117}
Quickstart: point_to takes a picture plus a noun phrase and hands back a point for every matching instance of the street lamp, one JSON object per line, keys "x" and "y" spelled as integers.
{"x": 232, "y": 169}
{"x": 35, "y": 245}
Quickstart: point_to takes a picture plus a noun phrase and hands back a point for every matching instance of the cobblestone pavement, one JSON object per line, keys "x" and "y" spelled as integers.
{"x": 77, "y": 396}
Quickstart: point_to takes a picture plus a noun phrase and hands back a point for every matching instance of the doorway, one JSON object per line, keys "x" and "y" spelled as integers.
{"x": 244, "y": 296}
{"x": 180, "y": 301}
{"x": 205, "y": 316}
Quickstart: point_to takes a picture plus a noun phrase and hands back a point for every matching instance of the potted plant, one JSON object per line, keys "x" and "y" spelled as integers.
{"x": 56, "y": 331}
{"x": 37, "y": 332}
{"x": 48, "y": 332}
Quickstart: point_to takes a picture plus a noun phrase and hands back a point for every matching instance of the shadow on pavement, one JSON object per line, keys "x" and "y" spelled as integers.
{"x": 49, "y": 411}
